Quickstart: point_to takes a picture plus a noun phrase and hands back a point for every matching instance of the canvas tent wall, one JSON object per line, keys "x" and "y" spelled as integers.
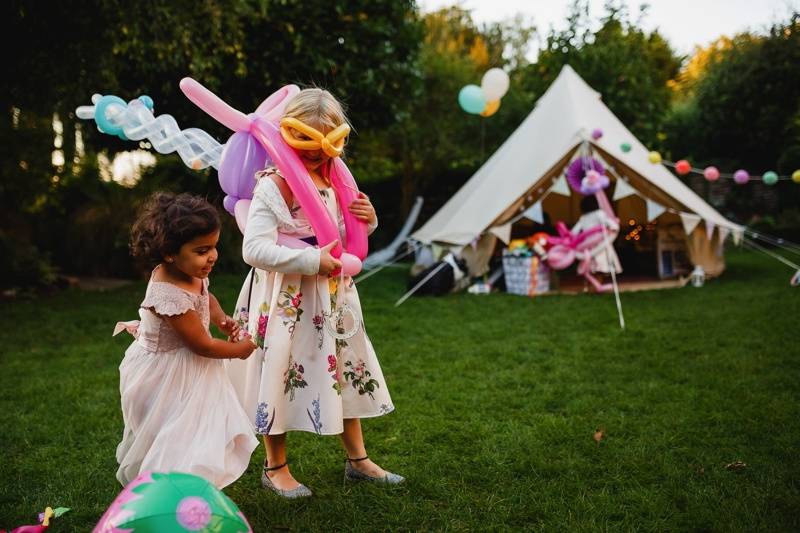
{"x": 531, "y": 162}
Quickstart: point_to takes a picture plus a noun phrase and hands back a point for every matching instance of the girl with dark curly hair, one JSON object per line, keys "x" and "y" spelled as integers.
{"x": 178, "y": 405}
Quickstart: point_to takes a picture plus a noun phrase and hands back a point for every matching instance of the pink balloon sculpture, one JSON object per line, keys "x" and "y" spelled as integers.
{"x": 256, "y": 138}
{"x": 567, "y": 247}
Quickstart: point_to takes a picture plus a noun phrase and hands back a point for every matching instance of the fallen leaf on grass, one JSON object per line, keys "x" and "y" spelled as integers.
{"x": 599, "y": 434}
{"x": 736, "y": 465}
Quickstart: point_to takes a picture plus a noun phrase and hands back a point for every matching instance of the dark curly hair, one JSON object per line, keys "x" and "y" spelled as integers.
{"x": 167, "y": 221}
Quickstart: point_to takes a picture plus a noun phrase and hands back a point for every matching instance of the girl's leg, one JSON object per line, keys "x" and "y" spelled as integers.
{"x": 276, "y": 455}
{"x": 353, "y": 441}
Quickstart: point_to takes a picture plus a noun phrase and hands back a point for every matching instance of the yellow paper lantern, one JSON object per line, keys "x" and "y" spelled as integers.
{"x": 491, "y": 108}
{"x": 654, "y": 157}
{"x": 796, "y": 176}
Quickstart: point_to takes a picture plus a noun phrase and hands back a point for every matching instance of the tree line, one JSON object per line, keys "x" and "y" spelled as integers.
{"x": 734, "y": 104}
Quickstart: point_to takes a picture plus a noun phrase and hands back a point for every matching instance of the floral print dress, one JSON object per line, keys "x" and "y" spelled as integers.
{"x": 300, "y": 377}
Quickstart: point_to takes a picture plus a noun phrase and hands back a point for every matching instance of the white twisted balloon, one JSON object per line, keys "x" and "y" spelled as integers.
{"x": 197, "y": 148}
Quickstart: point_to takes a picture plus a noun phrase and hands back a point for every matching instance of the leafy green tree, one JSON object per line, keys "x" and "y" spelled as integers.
{"x": 438, "y": 146}
{"x": 628, "y": 66}
{"x": 743, "y": 111}
{"x": 364, "y": 51}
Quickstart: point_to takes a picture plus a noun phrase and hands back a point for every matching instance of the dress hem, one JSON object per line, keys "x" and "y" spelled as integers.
{"x": 229, "y": 476}
{"x": 311, "y": 430}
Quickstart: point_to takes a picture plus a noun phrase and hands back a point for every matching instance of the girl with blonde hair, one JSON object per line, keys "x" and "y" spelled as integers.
{"x": 302, "y": 376}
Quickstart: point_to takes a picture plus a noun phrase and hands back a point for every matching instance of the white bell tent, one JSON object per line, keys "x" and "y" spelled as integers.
{"x": 525, "y": 177}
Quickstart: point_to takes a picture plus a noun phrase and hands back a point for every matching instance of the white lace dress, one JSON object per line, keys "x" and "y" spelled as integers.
{"x": 180, "y": 410}
{"x": 300, "y": 377}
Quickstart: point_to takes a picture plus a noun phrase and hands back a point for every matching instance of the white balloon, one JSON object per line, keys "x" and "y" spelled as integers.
{"x": 495, "y": 83}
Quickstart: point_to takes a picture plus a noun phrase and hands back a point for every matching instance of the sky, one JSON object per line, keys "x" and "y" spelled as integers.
{"x": 685, "y": 23}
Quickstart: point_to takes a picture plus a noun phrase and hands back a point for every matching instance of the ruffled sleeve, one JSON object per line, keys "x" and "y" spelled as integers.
{"x": 165, "y": 299}
{"x": 260, "y": 248}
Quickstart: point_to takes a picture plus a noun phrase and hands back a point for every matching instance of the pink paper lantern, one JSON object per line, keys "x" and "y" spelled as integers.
{"x": 741, "y": 176}
{"x": 683, "y": 167}
{"x": 711, "y": 173}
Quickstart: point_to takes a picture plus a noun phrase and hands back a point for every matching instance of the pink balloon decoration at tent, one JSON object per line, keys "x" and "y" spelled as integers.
{"x": 580, "y": 168}
{"x": 568, "y": 247}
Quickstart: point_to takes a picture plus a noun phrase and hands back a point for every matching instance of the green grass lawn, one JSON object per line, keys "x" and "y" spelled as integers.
{"x": 497, "y": 402}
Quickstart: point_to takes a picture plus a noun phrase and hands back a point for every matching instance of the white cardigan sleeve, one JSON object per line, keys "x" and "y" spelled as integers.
{"x": 260, "y": 248}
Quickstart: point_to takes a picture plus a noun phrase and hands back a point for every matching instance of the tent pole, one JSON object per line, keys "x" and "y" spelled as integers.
{"x": 607, "y": 210}
{"x": 613, "y": 274}
{"x": 368, "y": 274}
{"x": 778, "y": 257}
{"x": 614, "y": 281}
{"x": 407, "y": 295}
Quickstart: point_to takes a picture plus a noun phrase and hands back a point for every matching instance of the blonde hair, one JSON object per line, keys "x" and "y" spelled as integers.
{"x": 318, "y": 108}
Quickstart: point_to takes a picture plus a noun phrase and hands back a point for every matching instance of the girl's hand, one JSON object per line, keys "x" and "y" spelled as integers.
{"x": 228, "y": 326}
{"x": 363, "y": 210}
{"x": 235, "y": 334}
{"x": 328, "y": 263}
{"x": 239, "y": 334}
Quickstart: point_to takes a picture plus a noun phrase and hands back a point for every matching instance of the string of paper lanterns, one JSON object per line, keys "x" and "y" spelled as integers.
{"x": 484, "y": 100}
{"x": 712, "y": 173}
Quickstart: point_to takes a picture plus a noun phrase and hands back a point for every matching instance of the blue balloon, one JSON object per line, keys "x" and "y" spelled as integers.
{"x": 102, "y": 121}
{"x": 471, "y": 99}
{"x": 147, "y": 101}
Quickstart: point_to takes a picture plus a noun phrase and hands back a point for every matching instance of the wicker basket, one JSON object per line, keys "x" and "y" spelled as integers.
{"x": 527, "y": 276}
